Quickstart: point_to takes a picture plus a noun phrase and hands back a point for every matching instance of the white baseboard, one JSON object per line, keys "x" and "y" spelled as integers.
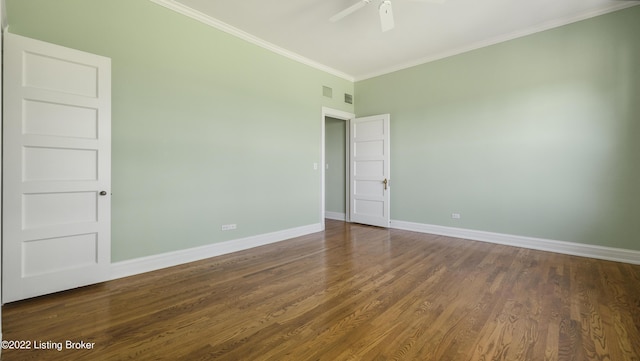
{"x": 335, "y": 215}
{"x": 170, "y": 259}
{"x": 575, "y": 249}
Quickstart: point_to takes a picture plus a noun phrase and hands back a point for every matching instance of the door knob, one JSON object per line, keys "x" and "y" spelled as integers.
{"x": 103, "y": 193}
{"x": 385, "y": 182}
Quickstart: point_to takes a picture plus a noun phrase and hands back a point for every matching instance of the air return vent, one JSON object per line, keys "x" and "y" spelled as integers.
{"x": 348, "y": 98}
{"x": 327, "y": 92}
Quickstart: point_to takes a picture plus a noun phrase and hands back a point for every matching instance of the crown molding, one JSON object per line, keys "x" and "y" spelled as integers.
{"x": 618, "y": 5}
{"x": 206, "y": 19}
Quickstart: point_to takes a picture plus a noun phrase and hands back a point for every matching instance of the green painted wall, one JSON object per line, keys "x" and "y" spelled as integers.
{"x": 538, "y": 136}
{"x": 207, "y": 128}
{"x": 335, "y": 153}
{"x": 535, "y": 136}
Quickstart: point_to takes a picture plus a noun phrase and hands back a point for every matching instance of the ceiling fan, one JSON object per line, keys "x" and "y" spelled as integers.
{"x": 384, "y": 9}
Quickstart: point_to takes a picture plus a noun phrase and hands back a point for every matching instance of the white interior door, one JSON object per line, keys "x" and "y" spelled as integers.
{"x": 57, "y": 171}
{"x": 369, "y": 165}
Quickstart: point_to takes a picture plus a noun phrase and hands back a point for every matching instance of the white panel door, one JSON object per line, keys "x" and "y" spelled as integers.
{"x": 56, "y": 168}
{"x": 370, "y": 192}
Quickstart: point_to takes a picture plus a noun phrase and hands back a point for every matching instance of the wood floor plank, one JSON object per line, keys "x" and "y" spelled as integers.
{"x": 352, "y": 292}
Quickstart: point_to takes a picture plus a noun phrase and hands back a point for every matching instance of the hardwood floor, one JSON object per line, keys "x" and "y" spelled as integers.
{"x": 351, "y": 293}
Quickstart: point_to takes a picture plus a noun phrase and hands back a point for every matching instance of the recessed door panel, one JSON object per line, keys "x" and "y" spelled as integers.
{"x": 369, "y": 168}
{"x": 72, "y": 252}
{"x": 46, "y": 72}
{"x": 368, "y": 188}
{"x": 369, "y": 208}
{"x": 368, "y": 129}
{"x": 41, "y": 164}
{"x": 374, "y": 148}
{"x": 62, "y": 120}
{"x": 54, "y": 209}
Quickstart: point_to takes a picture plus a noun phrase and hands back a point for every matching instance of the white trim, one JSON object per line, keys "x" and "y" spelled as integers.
{"x": 338, "y": 114}
{"x": 335, "y": 215}
{"x": 575, "y": 249}
{"x": 211, "y": 21}
{"x": 3, "y": 22}
{"x": 500, "y": 39}
{"x": 170, "y": 259}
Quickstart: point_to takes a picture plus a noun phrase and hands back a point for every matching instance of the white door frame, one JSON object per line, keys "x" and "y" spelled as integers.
{"x": 342, "y": 115}
{"x": 3, "y": 22}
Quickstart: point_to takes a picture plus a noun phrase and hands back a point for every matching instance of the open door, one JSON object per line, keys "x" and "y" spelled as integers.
{"x": 56, "y": 168}
{"x": 369, "y": 156}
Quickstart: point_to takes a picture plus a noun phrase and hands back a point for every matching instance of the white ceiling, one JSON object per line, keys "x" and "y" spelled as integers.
{"x": 355, "y": 47}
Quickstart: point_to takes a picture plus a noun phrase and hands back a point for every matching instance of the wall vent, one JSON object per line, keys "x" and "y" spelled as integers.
{"x": 348, "y": 98}
{"x": 327, "y": 92}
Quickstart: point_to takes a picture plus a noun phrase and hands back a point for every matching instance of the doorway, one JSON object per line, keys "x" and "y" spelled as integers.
{"x": 334, "y": 165}
{"x": 367, "y": 168}
{"x": 335, "y": 169}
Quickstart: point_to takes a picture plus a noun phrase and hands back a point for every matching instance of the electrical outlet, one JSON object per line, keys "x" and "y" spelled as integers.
{"x": 455, "y": 215}
{"x": 228, "y": 227}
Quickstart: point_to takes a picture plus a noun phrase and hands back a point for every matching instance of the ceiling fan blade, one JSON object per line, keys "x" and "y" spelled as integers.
{"x": 386, "y": 15}
{"x": 351, "y": 9}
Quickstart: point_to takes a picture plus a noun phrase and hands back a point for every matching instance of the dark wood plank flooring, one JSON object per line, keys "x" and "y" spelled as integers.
{"x": 351, "y": 293}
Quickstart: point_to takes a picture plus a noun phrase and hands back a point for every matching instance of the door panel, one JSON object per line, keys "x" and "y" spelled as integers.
{"x": 49, "y": 72}
{"x": 54, "y": 209}
{"x": 57, "y": 144}
{"x": 71, "y": 252}
{"x": 48, "y": 164}
{"x": 369, "y": 170}
{"x": 62, "y": 120}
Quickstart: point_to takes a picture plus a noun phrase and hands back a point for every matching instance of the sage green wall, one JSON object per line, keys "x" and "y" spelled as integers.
{"x": 538, "y": 136}
{"x": 207, "y": 129}
{"x": 335, "y": 153}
